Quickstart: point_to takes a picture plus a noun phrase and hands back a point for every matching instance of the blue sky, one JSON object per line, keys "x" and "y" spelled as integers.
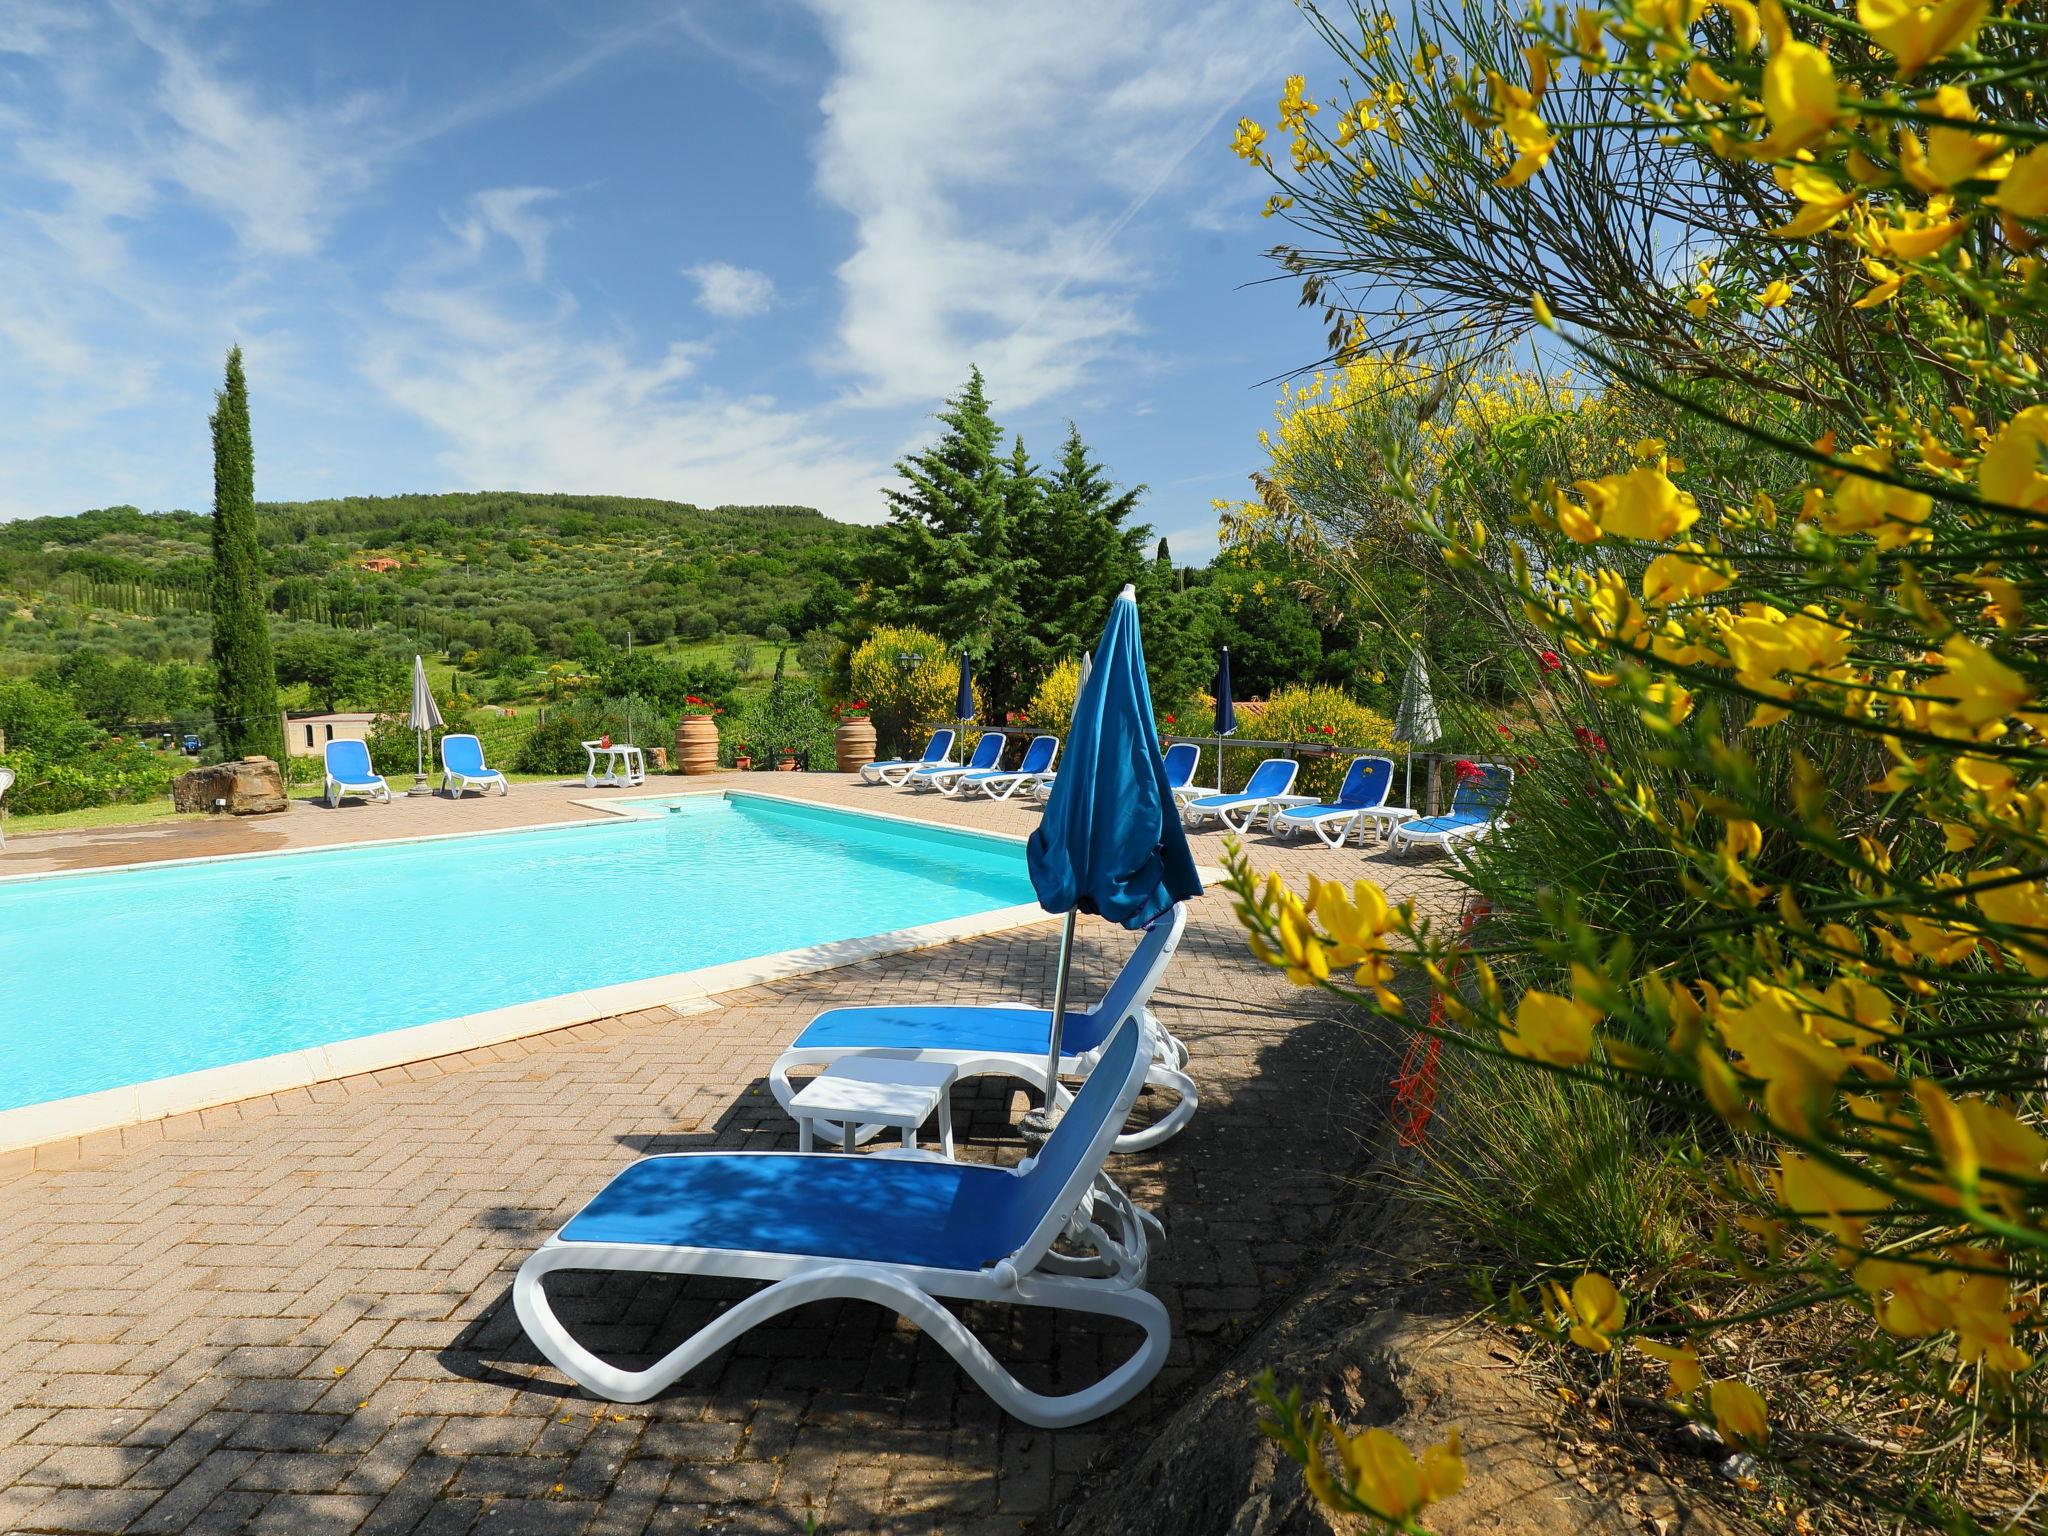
{"x": 715, "y": 252}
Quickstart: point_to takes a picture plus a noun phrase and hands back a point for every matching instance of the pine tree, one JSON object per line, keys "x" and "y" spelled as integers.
{"x": 1082, "y": 549}
{"x": 944, "y": 560}
{"x": 245, "y": 703}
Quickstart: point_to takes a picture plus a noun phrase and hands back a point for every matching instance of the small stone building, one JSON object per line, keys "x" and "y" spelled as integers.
{"x": 307, "y": 734}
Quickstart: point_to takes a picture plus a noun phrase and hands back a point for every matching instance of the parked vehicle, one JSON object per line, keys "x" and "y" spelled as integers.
{"x": 190, "y": 743}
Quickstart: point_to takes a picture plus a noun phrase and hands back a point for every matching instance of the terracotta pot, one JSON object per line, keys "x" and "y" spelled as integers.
{"x": 785, "y": 762}
{"x": 697, "y": 744}
{"x": 742, "y": 762}
{"x": 853, "y": 745}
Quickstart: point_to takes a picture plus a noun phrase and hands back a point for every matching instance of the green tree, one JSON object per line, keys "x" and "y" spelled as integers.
{"x": 1080, "y": 549}
{"x": 245, "y": 708}
{"x": 944, "y": 560}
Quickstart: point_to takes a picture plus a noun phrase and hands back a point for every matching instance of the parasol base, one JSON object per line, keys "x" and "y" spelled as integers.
{"x": 1037, "y": 1127}
{"x": 420, "y": 785}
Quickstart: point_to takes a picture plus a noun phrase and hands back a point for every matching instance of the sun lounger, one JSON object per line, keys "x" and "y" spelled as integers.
{"x": 1360, "y": 801}
{"x": 988, "y": 752}
{"x": 1180, "y": 761}
{"x": 6, "y": 783}
{"x": 999, "y": 784}
{"x": 1476, "y": 805}
{"x": 1010, "y": 1040}
{"x": 902, "y": 1231}
{"x": 349, "y": 773}
{"x": 462, "y": 765}
{"x": 938, "y": 750}
{"x": 1266, "y": 791}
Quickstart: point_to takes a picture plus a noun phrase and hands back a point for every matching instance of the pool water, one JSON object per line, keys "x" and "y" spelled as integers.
{"x": 124, "y": 977}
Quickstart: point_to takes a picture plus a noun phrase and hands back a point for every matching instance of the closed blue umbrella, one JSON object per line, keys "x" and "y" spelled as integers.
{"x": 1226, "y": 712}
{"x": 963, "y": 706}
{"x": 1111, "y": 841}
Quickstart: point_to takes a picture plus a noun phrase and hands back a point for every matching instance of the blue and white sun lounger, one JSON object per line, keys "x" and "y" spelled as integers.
{"x": 938, "y": 750}
{"x": 462, "y": 765}
{"x": 1000, "y": 785}
{"x": 988, "y": 752}
{"x": 1010, "y": 1039}
{"x": 6, "y": 783}
{"x": 1361, "y": 801}
{"x": 349, "y": 773}
{"x": 1476, "y": 805}
{"x": 899, "y": 1231}
{"x": 1179, "y": 761}
{"x": 1266, "y": 791}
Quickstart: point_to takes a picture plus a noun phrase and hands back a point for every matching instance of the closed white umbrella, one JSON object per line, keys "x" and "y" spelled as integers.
{"x": 425, "y": 717}
{"x": 1415, "y": 717}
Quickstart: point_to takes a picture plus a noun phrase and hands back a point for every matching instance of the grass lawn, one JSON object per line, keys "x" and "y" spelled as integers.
{"x": 130, "y": 813}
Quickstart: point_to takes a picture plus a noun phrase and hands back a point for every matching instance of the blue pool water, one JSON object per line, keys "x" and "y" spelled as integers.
{"x": 119, "y": 978}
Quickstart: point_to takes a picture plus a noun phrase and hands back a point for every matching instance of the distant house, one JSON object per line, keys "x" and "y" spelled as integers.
{"x": 381, "y": 565}
{"x": 306, "y": 734}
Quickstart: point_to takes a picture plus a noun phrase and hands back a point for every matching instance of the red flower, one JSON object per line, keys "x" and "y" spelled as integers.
{"x": 1550, "y": 659}
{"x": 860, "y": 703}
{"x": 692, "y": 699}
{"x": 1468, "y": 772}
{"x": 1505, "y": 732}
{"x": 1169, "y": 720}
{"x": 1599, "y": 742}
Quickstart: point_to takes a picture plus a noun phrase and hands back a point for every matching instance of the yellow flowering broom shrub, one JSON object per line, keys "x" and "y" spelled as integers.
{"x": 1799, "y": 248}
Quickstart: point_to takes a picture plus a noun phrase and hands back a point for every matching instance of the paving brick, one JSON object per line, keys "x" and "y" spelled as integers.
{"x": 188, "y": 1293}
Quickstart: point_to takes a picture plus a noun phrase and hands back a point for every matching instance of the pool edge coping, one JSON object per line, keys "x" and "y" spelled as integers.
{"x": 611, "y": 808}
{"x": 76, "y": 1116}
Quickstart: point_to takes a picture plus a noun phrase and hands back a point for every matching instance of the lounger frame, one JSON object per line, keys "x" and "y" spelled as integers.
{"x": 1457, "y": 840}
{"x": 1167, "y": 1069}
{"x": 1241, "y": 810}
{"x": 460, "y": 782}
{"x": 372, "y": 788}
{"x": 1105, "y": 1279}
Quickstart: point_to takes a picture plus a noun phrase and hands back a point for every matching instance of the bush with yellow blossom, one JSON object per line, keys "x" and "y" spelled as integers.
{"x": 1799, "y": 250}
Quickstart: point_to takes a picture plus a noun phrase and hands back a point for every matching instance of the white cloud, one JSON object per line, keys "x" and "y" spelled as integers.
{"x": 513, "y": 212}
{"x": 992, "y": 155}
{"x": 537, "y": 402}
{"x": 730, "y": 292}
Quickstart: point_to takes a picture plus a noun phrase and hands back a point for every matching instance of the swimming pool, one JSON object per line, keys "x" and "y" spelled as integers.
{"x": 121, "y": 978}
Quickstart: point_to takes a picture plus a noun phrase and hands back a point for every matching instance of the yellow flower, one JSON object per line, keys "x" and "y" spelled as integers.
{"x": 1779, "y": 293}
{"x": 1739, "y": 1412}
{"x": 1533, "y": 143}
{"x": 1915, "y": 34}
{"x": 1954, "y": 154}
{"x": 1884, "y": 287}
{"x": 2022, "y": 904}
{"x": 1975, "y": 691}
{"x": 1708, "y": 86}
{"x": 1249, "y": 143}
{"x": 2024, "y": 192}
{"x": 1675, "y": 578}
{"x": 1826, "y": 1198}
{"x": 1966, "y": 1290}
{"x": 1384, "y": 1475}
{"x": 1799, "y": 90}
{"x": 1861, "y": 504}
{"x": 1642, "y": 504}
{"x": 1799, "y": 1069}
{"x": 1595, "y": 1309}
{"x": 1684, "y": 1364}
{"x": 1541, "y": 310}
{"x": 1295, "y": 108}
{"x": 1553, "y": 1029}
{"x": 2012, "y": 471}
{"x": 1822, "y": 202}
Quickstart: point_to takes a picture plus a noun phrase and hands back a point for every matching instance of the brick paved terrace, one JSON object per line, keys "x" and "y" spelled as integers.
{"x": 294, "y": 1314}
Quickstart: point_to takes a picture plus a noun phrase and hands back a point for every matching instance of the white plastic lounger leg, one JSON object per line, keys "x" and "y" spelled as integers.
{"x": 1251, "y": 816}
{"x": 833, "y": 1281}
{"x": 1174, "y": 1121}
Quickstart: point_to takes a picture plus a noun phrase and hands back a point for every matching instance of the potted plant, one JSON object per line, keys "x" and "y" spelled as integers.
{"x": 742, "y": 760}
{"x": 853, "y": 741}
{"x": 697, "y": 737}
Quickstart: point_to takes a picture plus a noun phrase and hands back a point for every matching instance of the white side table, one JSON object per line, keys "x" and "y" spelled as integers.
{"x": 876, "y": 1090}
{"x": 1385, "y": 818}
{"x": 1278, "y": 803}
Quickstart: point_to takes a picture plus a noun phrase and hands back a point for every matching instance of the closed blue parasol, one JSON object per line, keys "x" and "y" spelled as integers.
{"x": 1226, "y": 712}
{"x": 1111, "y": 841}
{"x": 963, "y": 705}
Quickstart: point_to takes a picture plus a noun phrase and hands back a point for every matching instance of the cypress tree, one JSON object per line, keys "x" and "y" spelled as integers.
{"x": 1081, "y": 548}
{"x": 245, "y": 679}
